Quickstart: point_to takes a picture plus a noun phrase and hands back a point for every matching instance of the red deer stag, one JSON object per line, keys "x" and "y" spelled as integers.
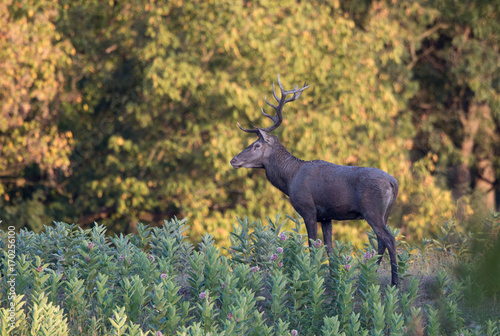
{"x": 321, "y": 191}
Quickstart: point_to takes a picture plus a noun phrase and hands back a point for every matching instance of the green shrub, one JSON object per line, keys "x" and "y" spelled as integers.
{"x": 83, "y": 282}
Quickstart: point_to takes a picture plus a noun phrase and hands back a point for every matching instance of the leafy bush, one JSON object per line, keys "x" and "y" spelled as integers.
{"x": 269, "y": 282}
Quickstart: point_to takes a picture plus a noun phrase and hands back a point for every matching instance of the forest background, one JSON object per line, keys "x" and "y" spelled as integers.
{"x": 122, "y": 112}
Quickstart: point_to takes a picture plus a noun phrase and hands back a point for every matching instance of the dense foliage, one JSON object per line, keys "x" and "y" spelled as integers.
{"x": 71, "y": 281}
{"x": 119, "y": 112}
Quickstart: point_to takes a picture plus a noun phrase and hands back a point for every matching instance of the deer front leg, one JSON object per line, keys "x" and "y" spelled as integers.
{"x": 311, "y": 227}
{"x": 304, "y": 205}
{"x": 326, "y": 227}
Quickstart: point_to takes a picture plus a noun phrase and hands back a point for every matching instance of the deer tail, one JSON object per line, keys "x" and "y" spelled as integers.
{"x": 395, "y": 188}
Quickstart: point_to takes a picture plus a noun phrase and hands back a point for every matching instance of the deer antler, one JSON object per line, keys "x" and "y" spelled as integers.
{"x": 278, "y": 118}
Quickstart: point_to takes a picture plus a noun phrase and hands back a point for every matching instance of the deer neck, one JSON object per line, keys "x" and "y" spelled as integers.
{"x": 281, "y": 168}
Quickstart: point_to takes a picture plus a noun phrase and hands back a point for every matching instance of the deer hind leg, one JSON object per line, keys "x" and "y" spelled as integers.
{"x": 392, "y": 246}
{"x": 381, "y": 249}
{"x": 326, "y": 227}
{"x": 393, "y": 256}
{"x": 387, "y": 240}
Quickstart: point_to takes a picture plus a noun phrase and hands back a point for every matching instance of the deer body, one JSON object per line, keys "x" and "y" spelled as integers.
{"x": 321, "y": 191}
{"x": 339, "y": 192}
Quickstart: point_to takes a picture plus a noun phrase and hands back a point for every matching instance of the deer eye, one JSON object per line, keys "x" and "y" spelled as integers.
{"x": 257, "y": 146}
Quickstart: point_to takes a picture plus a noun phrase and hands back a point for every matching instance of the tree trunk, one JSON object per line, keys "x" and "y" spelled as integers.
{"x": 462, "y": 175}
{"x": 485, "y": 182}
{"x": 486, "y": 178}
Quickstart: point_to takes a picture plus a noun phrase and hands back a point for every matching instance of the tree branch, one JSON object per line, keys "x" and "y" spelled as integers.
{"x": 432, "y": 30}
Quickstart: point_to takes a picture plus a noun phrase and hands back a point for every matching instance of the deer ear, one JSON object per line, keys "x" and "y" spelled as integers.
{"x": 265, "y": 136}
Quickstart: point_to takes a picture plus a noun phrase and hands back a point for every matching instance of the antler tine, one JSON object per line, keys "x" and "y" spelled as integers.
{"x": 297, "y": 93}
{"x": 253, "y": 130}
{"x": 278, "y": 118}
{"x": 268, "y": 103}
{"x": 265, "y": 114}
{"x": 281, "y": 87}
{"x": 275, "y": 95}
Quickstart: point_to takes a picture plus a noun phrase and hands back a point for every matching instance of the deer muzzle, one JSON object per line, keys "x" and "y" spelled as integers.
{"x": 236, "y": 163}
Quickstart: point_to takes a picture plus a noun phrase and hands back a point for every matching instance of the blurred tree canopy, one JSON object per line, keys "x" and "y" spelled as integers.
{"x": 119, "y": 112}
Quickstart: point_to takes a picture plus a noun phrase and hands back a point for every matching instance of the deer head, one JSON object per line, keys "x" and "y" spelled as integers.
{"x": 255, "y": 155}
